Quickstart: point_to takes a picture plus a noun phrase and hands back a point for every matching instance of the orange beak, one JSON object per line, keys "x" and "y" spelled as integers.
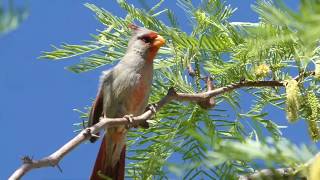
{"x": 158, "y": 41}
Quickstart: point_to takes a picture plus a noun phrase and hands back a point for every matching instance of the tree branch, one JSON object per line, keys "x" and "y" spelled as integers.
{"x": 280, "y": 173}
{"x": 54, "y": 158}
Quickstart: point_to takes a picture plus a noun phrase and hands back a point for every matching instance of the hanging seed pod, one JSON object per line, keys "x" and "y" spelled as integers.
{"x": 292, "y": 95}
{"x": 312, "y": 118}
{"x": 262, "y": 70}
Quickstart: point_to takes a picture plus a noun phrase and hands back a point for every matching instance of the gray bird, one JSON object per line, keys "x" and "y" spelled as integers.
{"x": 124, "y": 90}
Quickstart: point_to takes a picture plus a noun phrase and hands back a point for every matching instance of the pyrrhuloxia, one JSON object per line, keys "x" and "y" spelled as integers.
{"x": 124, "y": 90}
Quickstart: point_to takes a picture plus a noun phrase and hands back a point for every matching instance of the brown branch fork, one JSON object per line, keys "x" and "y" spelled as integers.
{"x": 53, "y": 159}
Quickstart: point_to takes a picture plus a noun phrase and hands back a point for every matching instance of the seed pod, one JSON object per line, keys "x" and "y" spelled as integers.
{"x": 292, "y": 95}
{"x": 312, "y": 118}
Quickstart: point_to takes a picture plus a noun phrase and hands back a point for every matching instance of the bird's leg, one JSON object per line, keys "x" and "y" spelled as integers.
{"x": 132, "y": 123}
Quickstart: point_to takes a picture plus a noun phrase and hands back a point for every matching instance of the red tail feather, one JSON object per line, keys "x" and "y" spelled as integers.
{"x": 102, "y": 167}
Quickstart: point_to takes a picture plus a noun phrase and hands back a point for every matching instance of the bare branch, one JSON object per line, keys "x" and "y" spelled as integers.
{"x": 54, "y": 158}
{"x": 280, "y": 173}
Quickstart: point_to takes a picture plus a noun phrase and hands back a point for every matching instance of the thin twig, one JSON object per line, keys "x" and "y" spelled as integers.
{"x": 54, "y": 158}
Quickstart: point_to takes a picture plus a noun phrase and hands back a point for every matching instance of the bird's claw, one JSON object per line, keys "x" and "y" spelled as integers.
{"x": 131, "y": 121}
{"x": 152, "y": 107}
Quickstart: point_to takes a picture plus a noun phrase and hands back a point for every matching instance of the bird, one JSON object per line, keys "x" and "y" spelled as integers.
{"x": 123, "y": 92}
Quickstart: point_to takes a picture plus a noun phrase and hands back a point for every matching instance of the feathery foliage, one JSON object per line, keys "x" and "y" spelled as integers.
{"x": 220, "y": 142}
{"x": 10, "y": 16}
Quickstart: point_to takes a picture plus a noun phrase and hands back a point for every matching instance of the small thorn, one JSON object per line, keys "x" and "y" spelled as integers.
{"x": 172, "y": 91}
{"x": 26, "y": 159}
{"x": 60, "y": 169}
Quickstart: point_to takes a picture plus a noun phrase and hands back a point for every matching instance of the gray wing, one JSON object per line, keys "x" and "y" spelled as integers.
{"x": 97, "y": 107}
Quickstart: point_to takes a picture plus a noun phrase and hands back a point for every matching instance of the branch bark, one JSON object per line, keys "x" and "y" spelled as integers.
{"x": 53, "y": 159}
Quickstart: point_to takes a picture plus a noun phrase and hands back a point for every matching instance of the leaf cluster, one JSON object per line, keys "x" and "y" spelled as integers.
{"x": 10, "y": 16}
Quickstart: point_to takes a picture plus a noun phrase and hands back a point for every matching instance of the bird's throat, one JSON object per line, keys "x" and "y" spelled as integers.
{"x": 152, "y": 54}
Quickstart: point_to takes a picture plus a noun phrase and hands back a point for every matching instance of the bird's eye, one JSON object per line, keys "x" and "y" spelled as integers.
{"x": 146, "y": 39}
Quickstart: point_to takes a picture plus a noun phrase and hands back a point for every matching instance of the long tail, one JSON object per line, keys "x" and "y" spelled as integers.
{"x": 110, "y": 161}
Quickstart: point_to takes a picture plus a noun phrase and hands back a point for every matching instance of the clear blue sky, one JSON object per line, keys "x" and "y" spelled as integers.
{"x": 37, "y": 96}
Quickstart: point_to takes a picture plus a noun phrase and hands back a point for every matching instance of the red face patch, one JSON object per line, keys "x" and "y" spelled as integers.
{"x": 148, "y": 38}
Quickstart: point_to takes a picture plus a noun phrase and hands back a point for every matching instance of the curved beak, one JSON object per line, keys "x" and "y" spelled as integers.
{"x": 158, "y": 41}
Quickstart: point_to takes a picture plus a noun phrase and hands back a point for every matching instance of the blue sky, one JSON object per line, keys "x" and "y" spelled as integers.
{"x": 37, "y": 96}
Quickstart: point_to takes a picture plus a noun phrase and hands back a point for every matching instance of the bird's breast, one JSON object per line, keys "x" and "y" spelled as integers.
{"x": 128, "y": 91}
{"x": 139, "y": 97}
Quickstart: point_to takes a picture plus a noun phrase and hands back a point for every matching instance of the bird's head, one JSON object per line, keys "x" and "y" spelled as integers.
{"x": 145, "y": 42}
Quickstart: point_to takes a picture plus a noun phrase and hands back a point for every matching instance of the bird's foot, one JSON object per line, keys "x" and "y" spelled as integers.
{"x": 152, "y": 107}
{"x": 131, "y": 121}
